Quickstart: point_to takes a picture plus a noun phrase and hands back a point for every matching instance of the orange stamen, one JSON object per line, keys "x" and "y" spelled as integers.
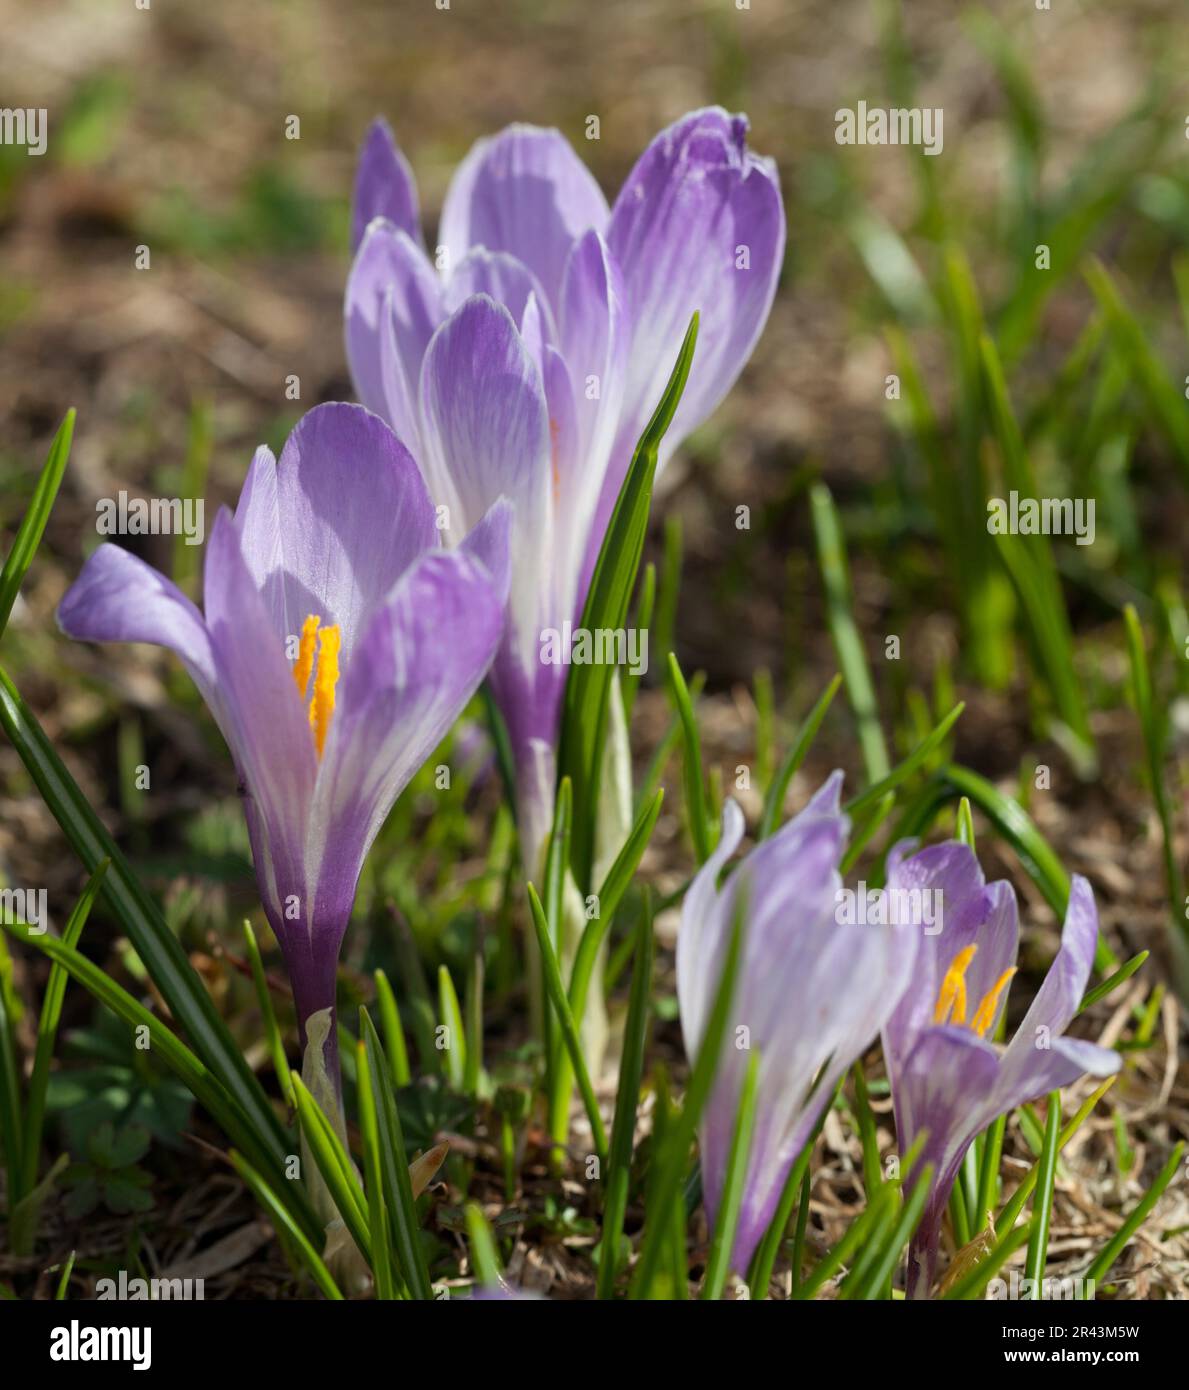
{"x": 985, "y": 1014}
{"x": 951, "y": 998}
{"x": 304, "y": 664}
{"x": 322, "y": 700}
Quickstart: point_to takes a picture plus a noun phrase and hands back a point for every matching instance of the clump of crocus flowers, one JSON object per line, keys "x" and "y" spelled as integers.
{"x": 403, "y": 550}
{"x": 815, "y": 989}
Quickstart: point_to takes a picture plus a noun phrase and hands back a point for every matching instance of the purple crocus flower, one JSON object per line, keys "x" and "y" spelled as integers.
{"x": 947, "y": 1075}
{"x": 814, "y": 990}
{"x": 339, "y": 643}
{"x": 527, "y": 361}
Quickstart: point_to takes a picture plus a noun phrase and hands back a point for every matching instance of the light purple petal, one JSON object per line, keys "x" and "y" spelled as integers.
{"x": 353, "y": 514}
{"x": 392, "y": 289}
{"x": 971, "y": 913}
{"x": 1038, "y": 1059}
{"x": 595, "y": 337}
{"x": 705, "y": 927}
{"x": 486, "y": 422}
{"x": 118, "y": 598}
{"x": 490, "y": 542}
{"x": 696, "y": 205}
{"x": 799, "y": 962}
{"x": 487, "y": 436}
{"x": 384, "y": 186}
{"x": 421, "y": 658}
{"x": 524, "y": 191}
{"x": 1060, "y": 995}
{"x": 265, "y": 723}
{"x": 498, "y": 274}
{"x": 1035, "y": 1065}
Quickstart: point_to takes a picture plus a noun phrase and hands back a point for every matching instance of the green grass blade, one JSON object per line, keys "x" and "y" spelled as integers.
{"x": 723, "y": 1240}
{"x": 1042, "y": 1201}
{"x": 159, "y": 949}
{"x": 1015, "y": 1204}
{"x": 12, "y": 1129}
{"x": 919, "y": 755}
{"x": 394, "y": 1033}
{"x": 588, "y": 687}
{"x": 377, "y": 1213}
{"x": 1112, "y": 982}
{"x": 627, "y": 1099}
{"x": 774, "y": 801}
{"x": 881, "y": 1272}
{"x": 32, "y": 526}
{"x": 394, "y": 1166}
{"x": 1138, "y": 1215}
{"x": 848, "y": 644}
{"x": 334, "y": 1163}
{"x": 670, "y": 1163}
{"x": 565, "y": 1018}
{"x": 272, "y": 1033}
{"x": 693, "y": 779}
{"x": 47, "y": 1030}
{"x": 1150, "y": 726}
{"x": 187, "y": 1066}
{"x": 282, "y": 1219}
{"x": 450, "y": 1016}
{"x": 485, "y": 1260}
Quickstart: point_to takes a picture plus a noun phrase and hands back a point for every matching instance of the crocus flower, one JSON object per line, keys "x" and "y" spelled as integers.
{"x": 813, "y": 991}
{"x": 525, "y": 360}
{"x": 339, "y": 643}
{"x": 948, "y": 1077}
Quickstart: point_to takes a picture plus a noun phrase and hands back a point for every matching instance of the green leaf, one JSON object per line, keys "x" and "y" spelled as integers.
{"x": 394, "y": 1166}
{"x": 588, "y": 687}
{"x": 1042, "y": 1201}
{"x": 394, "y": 1033}
{"x": 694, "y": 779}
{"x": 1150, "y": 726}
{"x": 1112, "y": 982}
{"x": 32, "y": 527}
{"x": 450, "y": 1015}
{"x": 723, "y": 1239}
{"x": 334, "y": 1163}
{"x": 774, "y": 801}
{"x": 627, "y": 1098}
{"x": 670, "y": 1161}
{"x": 831, "y": 551}
{"x": 561, "y": 1007}
{"x": 290, "y": 1231}
{"x": 485, "y": 1260}
{"x": 919, "y": 755}
{"x": 377, "y": 1214}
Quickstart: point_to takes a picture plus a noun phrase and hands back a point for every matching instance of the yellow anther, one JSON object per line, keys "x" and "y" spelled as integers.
{"x": 322, "y": 701}
{"x": 951, "y": 998}
{"x": 305, "y": 655}
{"x": 985, "y": 1013}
